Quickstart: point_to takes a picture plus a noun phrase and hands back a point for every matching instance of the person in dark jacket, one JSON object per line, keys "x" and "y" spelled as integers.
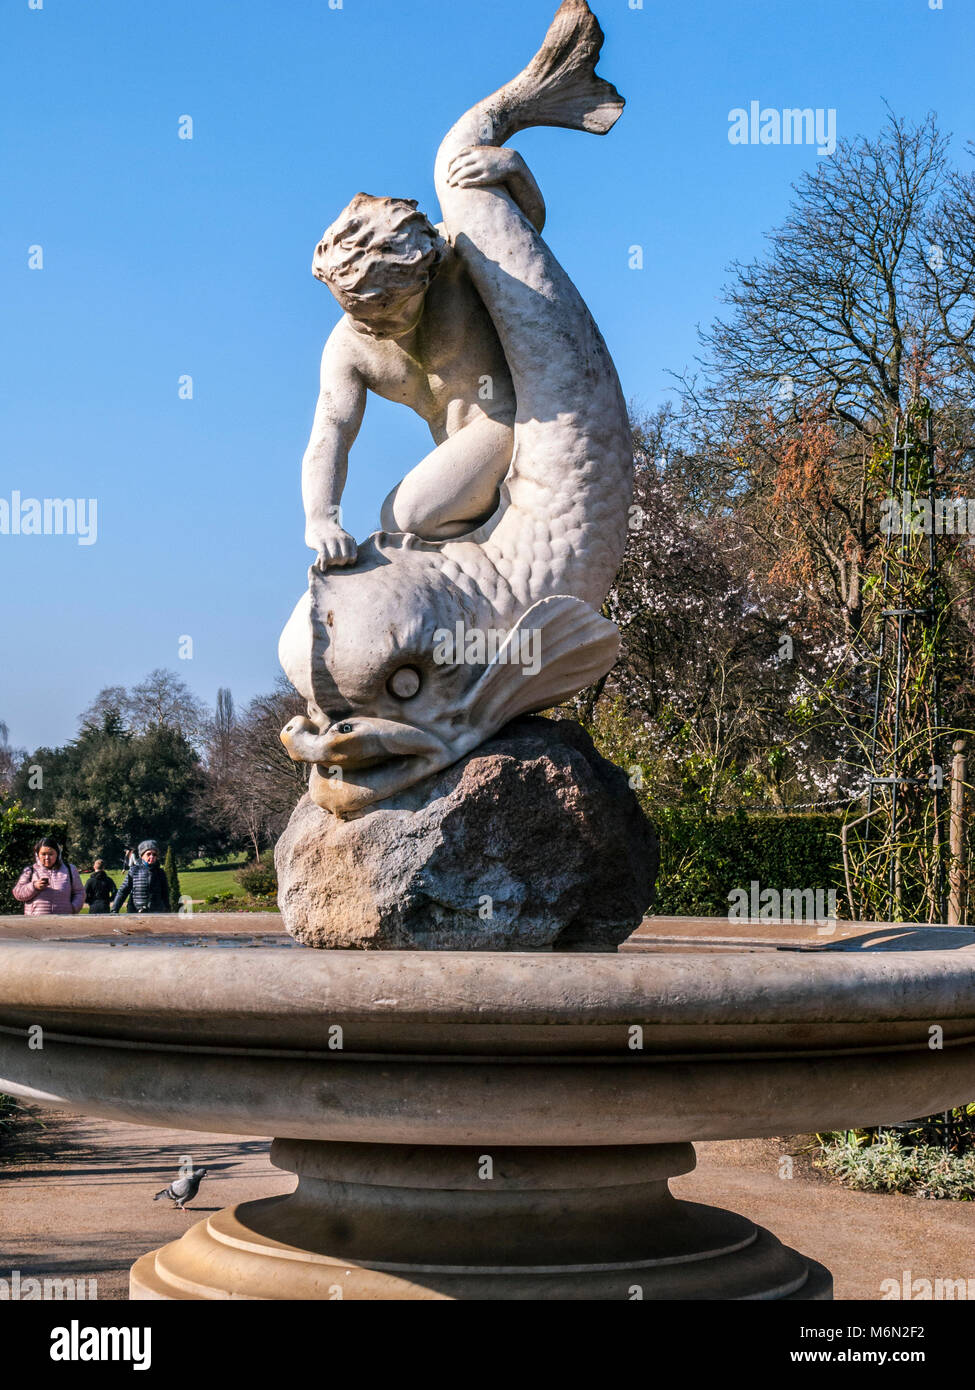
{"x": 146, "y": 881}
{"x": 100, "y": 889}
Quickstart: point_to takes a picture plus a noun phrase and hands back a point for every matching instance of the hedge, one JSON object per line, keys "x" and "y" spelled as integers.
{"x": 18, "y": 836}
{"x": 703, "y": 858}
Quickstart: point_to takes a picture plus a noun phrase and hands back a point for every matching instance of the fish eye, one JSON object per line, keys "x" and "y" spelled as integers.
{"x": 404, "y": 683}
{"x": 345, "y": 729}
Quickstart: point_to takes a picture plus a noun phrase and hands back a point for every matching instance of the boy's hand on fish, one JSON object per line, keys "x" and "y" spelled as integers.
{"x": 486, "y": 166}
{"x": 480, "y": 166}
{"x": 334, "y": 546}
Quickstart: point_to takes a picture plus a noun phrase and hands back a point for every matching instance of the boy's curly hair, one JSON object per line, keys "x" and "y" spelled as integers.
{"x": 377, "y": 251}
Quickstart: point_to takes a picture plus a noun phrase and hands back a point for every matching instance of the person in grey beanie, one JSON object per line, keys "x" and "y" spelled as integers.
{"x": 146, "y": 881}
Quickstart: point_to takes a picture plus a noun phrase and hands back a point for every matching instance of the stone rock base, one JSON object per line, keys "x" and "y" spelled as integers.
{"x": 534, "y": 842}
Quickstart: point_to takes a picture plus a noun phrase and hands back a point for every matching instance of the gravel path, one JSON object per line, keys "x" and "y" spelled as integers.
{"x": 863, "y": 1238}
{"x": 76, "y": 1201}
{"x": 76, "y": 1196}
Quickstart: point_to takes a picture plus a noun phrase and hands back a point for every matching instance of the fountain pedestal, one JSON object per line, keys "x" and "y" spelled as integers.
{"x": 385, "y": 1221}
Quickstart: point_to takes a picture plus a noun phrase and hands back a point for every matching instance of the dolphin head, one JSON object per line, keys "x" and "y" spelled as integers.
{"x": 360, "y": 647}
{"x": 394, "y": 693}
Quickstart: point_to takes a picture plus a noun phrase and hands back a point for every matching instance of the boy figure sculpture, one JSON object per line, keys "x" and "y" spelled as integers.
{"x": 416, "y": 331}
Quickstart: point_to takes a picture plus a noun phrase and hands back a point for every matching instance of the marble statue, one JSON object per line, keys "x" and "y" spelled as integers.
{"x": 479, "y": 599}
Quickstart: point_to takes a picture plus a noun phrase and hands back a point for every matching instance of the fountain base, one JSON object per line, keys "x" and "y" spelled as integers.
{"x": 388, "y": 1221}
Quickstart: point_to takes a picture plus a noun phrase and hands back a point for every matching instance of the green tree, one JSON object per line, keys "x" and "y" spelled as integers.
{"x": 172, "y": 878}
{"x": 115, "y": 788}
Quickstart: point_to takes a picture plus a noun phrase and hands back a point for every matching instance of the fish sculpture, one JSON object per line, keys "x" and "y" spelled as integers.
{"x": 419, "y": 651}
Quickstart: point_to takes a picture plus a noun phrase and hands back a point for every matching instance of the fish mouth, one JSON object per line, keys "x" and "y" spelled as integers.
{"x": 358, "y": 761}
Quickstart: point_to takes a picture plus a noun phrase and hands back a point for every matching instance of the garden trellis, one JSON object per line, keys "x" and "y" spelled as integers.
{"x": 906, "y": 744}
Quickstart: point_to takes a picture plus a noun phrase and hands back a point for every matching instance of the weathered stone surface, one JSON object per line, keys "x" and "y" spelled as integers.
{"x": 480, "y": 599}
{"x": 534, "y": 842}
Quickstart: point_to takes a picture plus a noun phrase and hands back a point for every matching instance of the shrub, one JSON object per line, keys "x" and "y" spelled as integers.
{"x": 948, "y": 1129}
{"x": 258, "y": 878}
{"x": 703, "y": 857}
{"x": 172, "y": 878}
{"x": 706, "y": 852}
{"x": 8, "y": 1113}
{"x": 885, "y": 1166}
{"x": 18, "y": 836}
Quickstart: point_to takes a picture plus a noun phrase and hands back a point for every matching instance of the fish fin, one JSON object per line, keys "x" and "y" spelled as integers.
{"x": 574, "y": 646}
{"x": 560, "y": 86}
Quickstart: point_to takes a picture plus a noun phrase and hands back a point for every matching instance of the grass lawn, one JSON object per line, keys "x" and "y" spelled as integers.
{"x": 233, "y": 861}
{"x": 199, "y": 882}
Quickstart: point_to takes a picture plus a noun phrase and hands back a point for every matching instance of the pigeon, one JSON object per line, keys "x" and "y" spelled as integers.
{"x": 183, "y": 1189}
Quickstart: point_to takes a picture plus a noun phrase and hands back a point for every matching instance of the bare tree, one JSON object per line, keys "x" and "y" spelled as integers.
{"x": 836, "y": 312}
{"x": 252, "y": 785}
{"x": 163, "y": 699}
{"x": 948, "y": 257}
{"x": 271, "y": 775}
{"x": 10, "y": 760}
{"x": 222, "y": 730}
{"x": 853, "y": 314}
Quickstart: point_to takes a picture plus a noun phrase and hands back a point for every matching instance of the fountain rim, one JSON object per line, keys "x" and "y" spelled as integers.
{"x": 738, "y": 987}
{"x": 443, "y": 1047}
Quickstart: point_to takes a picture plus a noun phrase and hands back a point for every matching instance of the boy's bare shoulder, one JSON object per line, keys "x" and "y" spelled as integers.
{"x": 346, "y": 350}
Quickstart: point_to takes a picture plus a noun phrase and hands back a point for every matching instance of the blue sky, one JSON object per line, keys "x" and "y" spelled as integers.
{"x": 164, "y": 257}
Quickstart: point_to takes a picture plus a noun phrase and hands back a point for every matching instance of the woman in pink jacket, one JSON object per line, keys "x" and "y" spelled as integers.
{"x": 50, "y": 885}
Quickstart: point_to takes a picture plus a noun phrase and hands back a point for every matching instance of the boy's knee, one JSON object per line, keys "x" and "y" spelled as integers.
{"x": 403, "y": 512}
{"x": 390, "y": 516}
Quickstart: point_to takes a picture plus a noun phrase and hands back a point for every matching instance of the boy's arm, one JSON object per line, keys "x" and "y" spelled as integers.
{"x": 338, "y": 416}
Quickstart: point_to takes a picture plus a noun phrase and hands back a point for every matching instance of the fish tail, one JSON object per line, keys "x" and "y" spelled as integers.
{"x": 572, "y": 465}
{"x": 559, "y": 87}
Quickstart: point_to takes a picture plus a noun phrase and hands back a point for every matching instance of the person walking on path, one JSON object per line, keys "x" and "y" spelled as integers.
{"x": 50, "y": 886}
{"x": 100, "y": 889}
{"x": 146, "y": 881}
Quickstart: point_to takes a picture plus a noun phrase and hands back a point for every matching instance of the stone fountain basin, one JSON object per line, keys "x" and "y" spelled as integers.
{"x": 645, "y": 1047}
